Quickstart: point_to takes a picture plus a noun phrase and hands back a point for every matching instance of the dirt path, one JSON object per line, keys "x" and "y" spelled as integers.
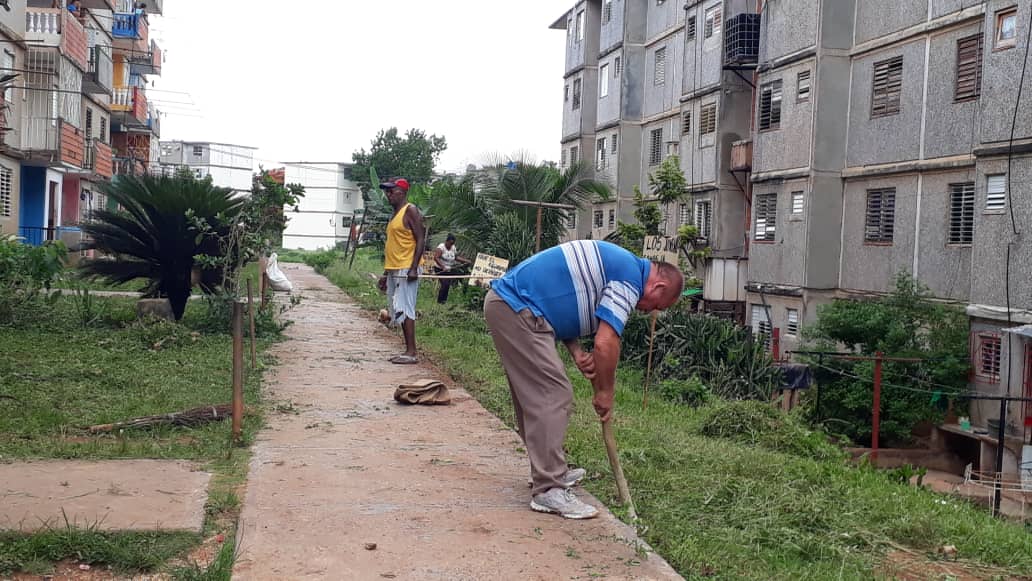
{"x": 440, "y": 491}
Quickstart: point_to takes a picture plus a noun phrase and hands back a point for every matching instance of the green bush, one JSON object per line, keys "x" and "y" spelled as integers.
{"x": 760, "y": 424}
{"x": 26, "y": 274}
{"x": 690, "y": 392}
{"x": 320, "y": 260}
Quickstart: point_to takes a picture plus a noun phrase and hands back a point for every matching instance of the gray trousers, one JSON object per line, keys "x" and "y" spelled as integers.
{"x": 542, "y": 395}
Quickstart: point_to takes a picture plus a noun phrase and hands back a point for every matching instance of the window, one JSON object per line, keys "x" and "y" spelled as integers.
{"x": 686, "y": 123}
{"x": 617, "y": 67}
{"x": 572, "y": 220}
{"x": 988, "y": 357}
{"x": 89, "y": 125}
{"x": 690, "y": 28}
{"x": 612, "y": 140}
{"x": 607, "y": 11}
{"x": 708, "y": 119}
{"x": 603, "y": 81}
{"x": 579, "y": 30}
{"x": 612, "y": 218}
{"x": 6, "y": 196}
{"x": 574, "y": 154}
{"x": 713, "y": 21}
{"x": 803, "y": 86}
{"x": 887, "y": 87}
{"x": 881, "y": 216}
{"x": 566, "y": 93}
{"x": 598, "y": 218}
{"x": 704, "y": 218}
{"x": 198, "y": 150}
{"x": 798, "y": 203}
{"x": 684, "y": 215}
{"x": 576, "y": 94}
{"x": 761, "y": 327}
{"x": 103, "y": 129}
{"x": 969, "y": 68}
{"x": 659, "y": 68}
{"x": 770, "y": 106}
{"x": 962, "y": 214}
{"x": 792, "y": 322}
{"x": 656, "y": 147}
{"x": 600, "y": 154}
{"x": 562, "y": 158}
{"x": 996, "y": 192}
{"x": 1006, "y": 28}
{"x": 766, "y": 211}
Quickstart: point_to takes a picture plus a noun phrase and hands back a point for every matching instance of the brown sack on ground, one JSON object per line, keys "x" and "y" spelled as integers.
{"x": 424, "y": 392}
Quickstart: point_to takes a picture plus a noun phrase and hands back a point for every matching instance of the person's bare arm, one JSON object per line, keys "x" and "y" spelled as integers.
{"x": 437, "y": 259}
{"x": 584, "y": 360}
{"x": 414, "y": 222}
{"x": 606, "y": 355}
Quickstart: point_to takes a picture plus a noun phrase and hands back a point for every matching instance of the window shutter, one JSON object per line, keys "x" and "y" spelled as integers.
{"x": 887, "y": 87}
{"x": 792, "y": 322}
{"x": 708, "y": 119}
{"x": 690, "y": 28}
{"x": 803, "y": 86}
{"x": 969, "y": 68}
{"x": 761, "y": 326}
{"x": 704, "y": 218}
{"x": 656, "y": 147}
{"x": 607, "y": 11}
{"x": 659, "y": 72}
{"x": 617, "y": 67}
{"x": 766, "y": 210}
{"x": 770, "y": 106}
{"x": 881, "y": 216}
{"x": 962, "y": 214}
{"x": 686, "y": 123}
{"x": 996, "y": 192}
{"x": 598, "y": 218}
{"x": 6, "y": 196}
{"x": 798, "y": 202}
{"x": 576, "y": 94}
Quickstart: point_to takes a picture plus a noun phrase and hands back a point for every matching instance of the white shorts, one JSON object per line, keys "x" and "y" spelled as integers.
{"x": 401, "y": 295}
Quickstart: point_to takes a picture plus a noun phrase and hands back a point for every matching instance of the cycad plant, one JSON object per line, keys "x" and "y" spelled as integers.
{"x": 151, "y": 236}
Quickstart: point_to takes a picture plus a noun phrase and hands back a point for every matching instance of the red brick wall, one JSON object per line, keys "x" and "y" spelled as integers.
{"x": 139, "y": 104}
{"x": 102, "y": 164}
{"x": 73, "y": 145}
{"x": 73, "y": 41}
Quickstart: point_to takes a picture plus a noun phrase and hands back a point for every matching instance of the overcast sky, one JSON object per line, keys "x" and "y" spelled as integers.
{"x": 315, "y": 80}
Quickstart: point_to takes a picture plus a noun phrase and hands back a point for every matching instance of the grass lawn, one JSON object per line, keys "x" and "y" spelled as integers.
{"x": 58, "y": 376}
{"x": 719, "y": 509}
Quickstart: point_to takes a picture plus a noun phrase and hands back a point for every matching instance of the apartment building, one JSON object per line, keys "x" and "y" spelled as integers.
{"x": 13, "y": 47}
{"x": 326, "y": 214}
{"x": 229, "y": 166}
{"x": 136, "y": 125}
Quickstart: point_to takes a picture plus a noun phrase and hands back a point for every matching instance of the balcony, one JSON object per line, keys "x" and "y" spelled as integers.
{"x": 100, "y": 78}
{"x": 56, "y": 27}
{"x": 741, "y": 156}
{"x": 154, "y": 121}
{"x": 153, "y": 6}
{"x": 130, "y": 32}
{"x": 53, "y": 139}
{"x": 129, "y": 106}
{"x": 742, "y": 39}
{"x": 99, "y": 159}
{"x": 147, "y": 63}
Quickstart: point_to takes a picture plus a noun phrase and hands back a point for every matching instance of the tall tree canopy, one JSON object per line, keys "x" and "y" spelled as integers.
{"x": 412, "y": 156}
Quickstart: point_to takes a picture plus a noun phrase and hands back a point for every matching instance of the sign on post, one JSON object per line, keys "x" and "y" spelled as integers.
{"x": 661, "y": 249}
{"x": 487, "y": 268}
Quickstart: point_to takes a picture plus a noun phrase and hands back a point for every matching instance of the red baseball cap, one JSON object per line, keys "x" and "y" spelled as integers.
{"x": 395, "y": 183}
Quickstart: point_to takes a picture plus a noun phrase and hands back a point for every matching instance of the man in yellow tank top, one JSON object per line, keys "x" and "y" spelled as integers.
{"x": 406, "y": 238}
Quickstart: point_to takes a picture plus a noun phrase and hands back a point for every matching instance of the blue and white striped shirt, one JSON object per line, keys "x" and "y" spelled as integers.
{"x": 577, "y": 284}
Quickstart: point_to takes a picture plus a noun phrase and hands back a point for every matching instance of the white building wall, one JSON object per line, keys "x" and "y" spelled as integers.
{"x": 324, "y": 216}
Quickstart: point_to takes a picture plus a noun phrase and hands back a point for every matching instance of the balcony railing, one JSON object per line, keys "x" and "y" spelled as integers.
{"x": 131, "y": 100}
{"x": 147, "y": 63}
{"x": 57, "y": 27}
{"x": 40, "y": 134}
{"x": 98, "y": 158}
{"x": 101, "y": 72}
{"x": 130, "y": 27}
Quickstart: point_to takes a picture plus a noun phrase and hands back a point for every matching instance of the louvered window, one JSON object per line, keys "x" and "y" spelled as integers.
{"x": 798, "y": 203}
{"x": 713, "y": 21}
{"x": 962, "y": 214}
{"x": 761, "y": 327}
{"x": 989, "y": 355}
{"x": 607, "y": 11}
{"x": 770, "y": 106}
{"x": 704, "y": 218}
{"x": 765, "y": 209}
{"x": 574, "y": 154}
{"x": 969, "y": 68}
{"x": 659, "y": 69}
{"x": 562, "y": 158}
{"x": 600, "y": 154}
{"x": 686, "y": 123}
{"x": 656, "y": 147}
{"x": 803, "y": 86}
{"x": 617, "y": 67}
{"x": 612, "y": 218}
{"x": 685, "y": 216}
{"x": 566, "y": 93}
{"x": 792, "y": 322}
{"x": 573, "y": 220}
{"x": 598, "y": 218}
{"x": 603, "y": 81}
{"x": 708, "y": 119}
{"x": 888, "y": 87}
{"x": 576, "y": 94}
{"x": 690, "y": 28}
{"x": 996, "y": 192}
{"x": 613, "y": 139}
{"x": 6, "y": 195}
{"x": 881, "y": 216}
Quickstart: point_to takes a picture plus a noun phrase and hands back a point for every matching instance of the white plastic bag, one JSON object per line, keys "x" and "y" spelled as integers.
{"x": 277, "y": 280}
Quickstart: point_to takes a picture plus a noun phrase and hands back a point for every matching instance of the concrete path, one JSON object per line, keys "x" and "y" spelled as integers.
{"x": 346, "y": 484}
{"x": 117, "y": 495}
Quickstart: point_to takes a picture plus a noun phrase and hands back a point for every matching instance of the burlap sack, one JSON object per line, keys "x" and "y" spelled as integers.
{"x": 423, "y": 392}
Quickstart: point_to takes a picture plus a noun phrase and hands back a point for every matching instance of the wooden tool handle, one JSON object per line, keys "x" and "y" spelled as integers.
{"x": 614, "y": 462}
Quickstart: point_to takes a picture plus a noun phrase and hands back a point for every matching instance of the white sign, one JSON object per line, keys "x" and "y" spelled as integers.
{"x": 661, "y": 249}
{"x": 487, "y": 268}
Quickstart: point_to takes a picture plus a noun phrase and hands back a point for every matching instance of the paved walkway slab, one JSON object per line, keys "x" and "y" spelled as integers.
{"x": 115, "y": 495}
{"x": 346, "y": 484}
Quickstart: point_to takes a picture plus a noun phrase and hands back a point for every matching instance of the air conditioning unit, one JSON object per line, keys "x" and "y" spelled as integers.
{"x": 742, "y": 39}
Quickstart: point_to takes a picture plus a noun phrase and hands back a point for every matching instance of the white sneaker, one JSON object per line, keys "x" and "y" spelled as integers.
{"x": 563, "y": 502}
{"x": 572, "y": 478}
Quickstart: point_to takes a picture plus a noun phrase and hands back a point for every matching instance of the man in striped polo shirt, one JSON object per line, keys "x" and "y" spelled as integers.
{"x": 578, "y": 289}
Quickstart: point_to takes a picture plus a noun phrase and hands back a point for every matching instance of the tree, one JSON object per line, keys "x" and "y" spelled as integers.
{"x": 412, "y": 156}
{"x": 647, "y": 218}
{"x": 152, "y": 235}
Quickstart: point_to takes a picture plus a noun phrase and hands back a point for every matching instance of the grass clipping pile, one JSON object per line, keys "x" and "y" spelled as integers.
{"x": 759, "y": 424}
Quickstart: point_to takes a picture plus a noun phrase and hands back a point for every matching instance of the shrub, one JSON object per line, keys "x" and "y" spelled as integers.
{"x": 759, "y": 424}
{"x": 26, "y": 273}
{"x": 690, "y": 392}
{"x": 320, "y": 260}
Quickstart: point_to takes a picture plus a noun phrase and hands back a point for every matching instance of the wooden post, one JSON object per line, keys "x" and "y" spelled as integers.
{"x": 238, "y": 372}
{"x": 250, "y": 315}
{"x": 1001, "y": 438}
{"x": 775, "y": 342}
{"x": 877, "y": 407}
{"x": 648, "y": 369}
{"x": 614, "y": 463}
{"x": 537, "y": 246}
{"x": 263, "y": 263}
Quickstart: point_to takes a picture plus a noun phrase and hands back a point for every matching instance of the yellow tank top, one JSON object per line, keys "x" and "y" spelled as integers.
{"x": 401, "y": 243}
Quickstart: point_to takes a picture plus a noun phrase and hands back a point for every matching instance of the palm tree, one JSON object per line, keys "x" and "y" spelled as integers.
{"x": 151, "y": 236}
